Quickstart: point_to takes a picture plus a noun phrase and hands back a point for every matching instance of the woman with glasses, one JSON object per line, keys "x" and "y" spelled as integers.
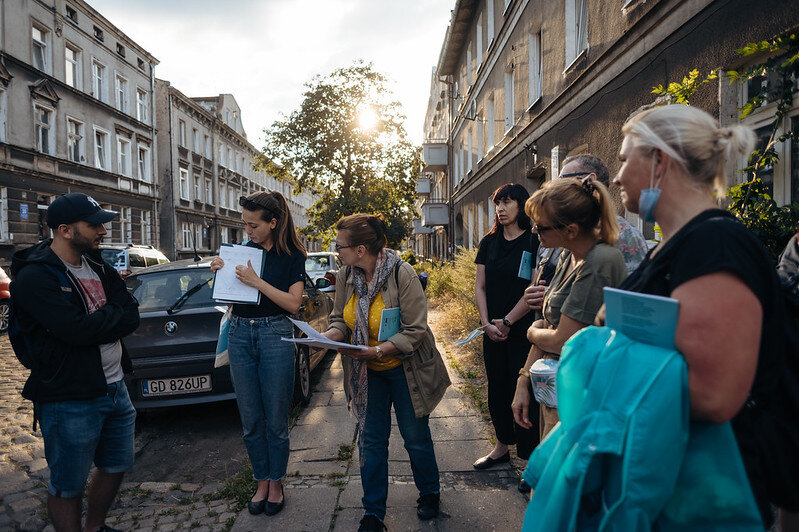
{"x": 577, "y": 215}
{"x": 401, "y": 367}
{"x": 261, "y": 364}
{"x": 505, "y": 260}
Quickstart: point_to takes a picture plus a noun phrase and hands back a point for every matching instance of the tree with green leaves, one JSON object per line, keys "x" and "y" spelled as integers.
{"x": 347, "y": 144}
{"x": 774, "y": 71}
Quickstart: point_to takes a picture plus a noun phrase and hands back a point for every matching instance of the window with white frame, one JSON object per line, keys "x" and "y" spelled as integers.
{"x": 198, "y": 193}
{"x": 232, "y": 198}
{"x": 4, "y": 235}
{"x": 469, "y": 151}
{"x": 230, "y": 163}
{"x": 146, "y": 228}
{"x": 144, "y": 164}
{"x": 125, "y": 225}
{"x": 72, "y": 70}
{"x": 101, "y": 149}
{"x": 185, "y": 231}
{"x": 121, "y": 93}
{"x": 123, "y": 156}
{"x": 142, "y": 106}
{"x": 223, "y": 195}
{"x": 209, "y": 152}
{"x": 509, "y": 97}
{"x": 576, "y": 29}
{"x": 183, "y": 184}
{"x": 535, "y": 73}
{"x": 221, "y": 160}
{"x": 209, "y": 191}
{"x": 43, "y": 129}
{"x": 490, "y": 124}
{"x": 489, "y": 22}
{"x": 3, "y": 113}
{"x": 479, "y": 41}
{"x": 195, "y": 140}
{"x": 480, "y": 135}
{"x": 468, "y": 67}
{"x": 198, "y": 235}
{"x": 40, "y": 38}
{"x": 98, "y": 80}
{"x": 182, "y": 133}
{"x": 223, "y": 236}
{"x": 75, "y": 141}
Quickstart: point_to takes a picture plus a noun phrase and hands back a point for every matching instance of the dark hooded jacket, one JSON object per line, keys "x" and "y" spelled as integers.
{"x": 62, "y": 336}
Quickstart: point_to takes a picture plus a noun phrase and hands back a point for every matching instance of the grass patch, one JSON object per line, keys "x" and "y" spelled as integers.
{"x": 239, "y": 487}
{"x": 345, "y": 451}
{"x": 229, "y": 523}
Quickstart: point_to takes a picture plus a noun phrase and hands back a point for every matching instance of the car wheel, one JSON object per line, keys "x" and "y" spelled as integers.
{"x": 302, "y": 376}
{"x": 4, "y": 315}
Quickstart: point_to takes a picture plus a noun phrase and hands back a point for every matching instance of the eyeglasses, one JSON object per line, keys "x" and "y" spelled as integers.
{"x": 340, "y": 247}
{"x": 542, "y": 228}
{"x": 575, "y": 174}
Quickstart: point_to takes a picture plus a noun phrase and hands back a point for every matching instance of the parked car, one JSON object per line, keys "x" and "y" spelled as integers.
{"x": 173, "y": 349}
{"x": 5, "y": 280}
{"x": 323, "y": 264}
{"x": 131, "y": 258}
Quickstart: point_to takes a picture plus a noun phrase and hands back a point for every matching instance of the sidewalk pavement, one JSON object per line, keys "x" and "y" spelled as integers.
{"x": 323, "y": 488}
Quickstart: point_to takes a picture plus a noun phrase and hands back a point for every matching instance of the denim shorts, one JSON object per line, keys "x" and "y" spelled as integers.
{"x": 77, "y": 433}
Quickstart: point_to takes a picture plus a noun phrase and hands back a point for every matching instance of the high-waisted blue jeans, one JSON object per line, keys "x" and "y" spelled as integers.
{"x": 262, "y": 369}
{"x": 387, "y": 387}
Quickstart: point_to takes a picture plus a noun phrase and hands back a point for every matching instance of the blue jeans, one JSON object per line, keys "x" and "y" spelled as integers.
{"x": 387, "y": 387}
{"x": 77, "y": 433}
{"x": 262, "y": 369}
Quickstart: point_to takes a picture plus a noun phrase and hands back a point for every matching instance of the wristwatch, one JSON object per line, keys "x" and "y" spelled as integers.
{"x": 506, "y": 322}
{"x": 379, "y": 352}
{"x": 524, "y": 372}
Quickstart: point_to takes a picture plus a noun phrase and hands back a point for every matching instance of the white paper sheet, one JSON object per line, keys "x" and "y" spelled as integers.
{"x": 317, "y": 339}
{"x": 229, "y": 289}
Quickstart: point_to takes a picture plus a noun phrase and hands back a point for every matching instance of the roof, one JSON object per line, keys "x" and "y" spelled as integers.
{"x": 456, "y": 36}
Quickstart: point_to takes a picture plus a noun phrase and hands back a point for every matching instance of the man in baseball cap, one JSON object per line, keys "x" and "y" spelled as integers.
{"x": 73, "y": 310}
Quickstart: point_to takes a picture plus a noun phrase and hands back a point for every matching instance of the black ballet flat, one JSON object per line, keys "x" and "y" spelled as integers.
{"x": 273, "y": 508}
{"x": 486, "y": 461}
{"x": 256, "y": 508}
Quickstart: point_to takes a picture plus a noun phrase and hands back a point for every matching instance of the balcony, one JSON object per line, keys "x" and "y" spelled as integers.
{"x": 423, "y": 185}
{"x": 419, "y": 229}
{"x": 435, "y": 156}
{"x": 435, "y": 213}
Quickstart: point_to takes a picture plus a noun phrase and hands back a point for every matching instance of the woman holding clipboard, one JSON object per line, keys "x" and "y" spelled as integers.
{"x": 401, "y": 365}
{"x": 261, "y": 364}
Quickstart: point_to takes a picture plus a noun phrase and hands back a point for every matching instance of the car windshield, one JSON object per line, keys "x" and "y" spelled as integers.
{"x": 160, "y": 290}
{"x": 318, "y": 262}
{"x": 110, "y": 255}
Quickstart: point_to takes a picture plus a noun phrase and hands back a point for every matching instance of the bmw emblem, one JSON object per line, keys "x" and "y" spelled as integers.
{"x": 171, "y": 327}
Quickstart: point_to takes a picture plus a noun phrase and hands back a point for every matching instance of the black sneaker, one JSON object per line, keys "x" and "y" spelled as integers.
{"x": 370, "y": 523}
{"x": 427, "y": 506}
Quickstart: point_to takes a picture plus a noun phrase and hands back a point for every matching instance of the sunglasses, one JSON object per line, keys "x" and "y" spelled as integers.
{"x": 543, "y": 228}
{"x": 575, "y": 174}
{"x": 252, "y": 205}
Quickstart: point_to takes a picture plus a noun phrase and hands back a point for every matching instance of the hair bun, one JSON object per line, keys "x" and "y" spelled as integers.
{"x": 589, "y": 185}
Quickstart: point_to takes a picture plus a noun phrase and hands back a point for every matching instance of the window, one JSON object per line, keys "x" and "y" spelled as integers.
{"x": 72, "y": 14}
{"x": 39, "y": 38}
{"x": 121, "y": 93}
{"x": 146, "y": 228}
{"x": 140, "y": 63}
{"x": 182, "y": 133}
{"x": 98, "y": 80}
{"x": 223, "y": 196}
{"x": 470, "y": 236}
{"x": 198, "y": 193}
{"x": 509, "y": 111}
{"x": 209, "y": 191}
{"x": 468, "y": 67}
{"x": 125, "y": 225}
{"x": 479, "y": 41}
{"x": 75, "y": 141}
{"x": 100, "y": 149}
{"x": 184, "y": 184}
{"x": 3, "y": 114}
{"x": 469, "y": 151}
{"x": 142, "y": 106}
{"x": 185, "y": 231}
{"x": 233, "y": 201}
{"x": 221, "y": 160}
{"x": 43, "y": 129}
{"x": 230, "y": 159}
{"x": 209, "y": 152}
{"x": 144, "y": 164}
{"x": 198, "y": 235}
{"x": 98, "y": 33}
{"x": 195, "y": 140}
{"x": 123, "y": 156}
{"x": 534, "y": 62}
{"x": 490, "y": 21}
{"x": 481, "y": 230}
{"x": 490, "y": 125}
{"x": 223, "y": 236}
{"x": 576, "y": 29}
{"x": 120, "y": 50}
{"x": 72, "y": 75}
{"x": 480, "y": 136}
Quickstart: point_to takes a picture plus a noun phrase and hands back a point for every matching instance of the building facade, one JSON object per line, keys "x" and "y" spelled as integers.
{"x": 76, "y": 96}
{"x": 531, "y": 82}
{"x": 205, "y": 165}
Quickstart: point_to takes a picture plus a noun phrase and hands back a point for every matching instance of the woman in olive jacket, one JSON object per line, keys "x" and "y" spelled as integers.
{"x": 403, "y": 368}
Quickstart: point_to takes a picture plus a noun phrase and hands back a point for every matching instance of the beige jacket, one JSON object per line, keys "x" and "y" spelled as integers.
{"x": 424, "y": 368}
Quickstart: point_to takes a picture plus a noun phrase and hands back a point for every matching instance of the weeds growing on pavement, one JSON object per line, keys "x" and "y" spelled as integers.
{"x": 239, "y": 487}
{"x": 345, "y": 451}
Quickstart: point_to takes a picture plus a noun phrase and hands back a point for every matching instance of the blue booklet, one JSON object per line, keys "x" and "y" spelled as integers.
{"x": 526, "y": 266}
{"x": 642, "y": 317}
{"x": 389, "y": 323}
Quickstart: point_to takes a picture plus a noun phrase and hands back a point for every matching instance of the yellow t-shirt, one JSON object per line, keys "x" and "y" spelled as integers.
{"x": 375, "y": 312}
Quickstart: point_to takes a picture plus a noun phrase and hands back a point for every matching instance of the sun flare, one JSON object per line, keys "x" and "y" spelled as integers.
{"x": 367, "y": 117}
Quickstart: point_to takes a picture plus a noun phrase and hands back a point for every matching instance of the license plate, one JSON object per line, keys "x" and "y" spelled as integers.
{"x": 177, "y": 385}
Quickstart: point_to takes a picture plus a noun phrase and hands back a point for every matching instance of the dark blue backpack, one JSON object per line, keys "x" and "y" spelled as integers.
{"x": 19, "y": 342}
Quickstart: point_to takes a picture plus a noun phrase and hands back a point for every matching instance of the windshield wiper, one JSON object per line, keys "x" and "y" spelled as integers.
{"x": 183, "y": 298}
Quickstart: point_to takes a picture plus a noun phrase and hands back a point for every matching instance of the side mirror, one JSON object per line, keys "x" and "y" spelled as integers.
{"x": 322, "y": 283}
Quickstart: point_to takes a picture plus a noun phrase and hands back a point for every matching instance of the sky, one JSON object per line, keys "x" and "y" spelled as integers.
{"x": 263, "y": 52}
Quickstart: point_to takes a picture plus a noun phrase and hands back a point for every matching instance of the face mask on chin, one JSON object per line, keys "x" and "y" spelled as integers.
{"x": 648, "y": 198}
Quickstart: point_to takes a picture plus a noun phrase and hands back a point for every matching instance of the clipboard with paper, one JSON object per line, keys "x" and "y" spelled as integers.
{"x": 227, "y": 288}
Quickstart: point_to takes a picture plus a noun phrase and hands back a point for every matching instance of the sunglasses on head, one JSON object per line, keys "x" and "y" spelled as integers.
{"x": 252, "y": 205}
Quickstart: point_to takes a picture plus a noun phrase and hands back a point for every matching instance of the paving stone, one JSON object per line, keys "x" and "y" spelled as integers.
{"x": 19, "y": 456}
{"x": 189, "y": 488}
{"x": 26, "y": 438}
{"x": 31, "y": 523}
{"x": 37, "y": 465}
{"x": 23, "y": 505}
{"x": 158, "y": 487}
{"x": 295, "y": 515}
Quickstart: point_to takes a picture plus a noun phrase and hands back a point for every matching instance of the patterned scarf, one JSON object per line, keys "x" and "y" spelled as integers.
{"x": 366, "y": 293}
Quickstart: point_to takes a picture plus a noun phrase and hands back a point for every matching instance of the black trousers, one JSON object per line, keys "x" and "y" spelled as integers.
{"x": 502, "y": 362}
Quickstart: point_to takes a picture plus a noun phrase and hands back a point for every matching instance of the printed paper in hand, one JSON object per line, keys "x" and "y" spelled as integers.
{"x": 317, "y": 339}
{"x": 229, "y": 289}
{"x": 642, "y": 317}
{"x": 389, "y": 323}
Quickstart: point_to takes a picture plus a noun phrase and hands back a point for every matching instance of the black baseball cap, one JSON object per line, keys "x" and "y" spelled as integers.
{"x": 74, "y": 207}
